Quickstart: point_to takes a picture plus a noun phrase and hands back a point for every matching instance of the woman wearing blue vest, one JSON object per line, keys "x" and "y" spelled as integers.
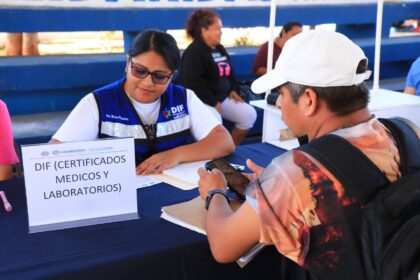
{"x": 163, "y": 118}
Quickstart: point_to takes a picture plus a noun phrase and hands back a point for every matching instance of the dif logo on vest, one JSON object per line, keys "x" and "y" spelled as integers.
{"x": 175, "y": 112}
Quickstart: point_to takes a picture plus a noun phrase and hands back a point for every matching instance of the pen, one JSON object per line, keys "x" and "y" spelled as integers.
{"x": 7, "y": 206}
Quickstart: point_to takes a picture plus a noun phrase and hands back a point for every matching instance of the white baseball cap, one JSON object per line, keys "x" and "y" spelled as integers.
{"x": 316, "y": 58}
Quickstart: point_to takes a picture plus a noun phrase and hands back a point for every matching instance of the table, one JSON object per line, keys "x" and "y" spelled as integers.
{"x": 148, "y": 248}
{"x": 383, "y": 103}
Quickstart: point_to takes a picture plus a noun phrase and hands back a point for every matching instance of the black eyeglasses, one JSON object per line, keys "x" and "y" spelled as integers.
{"x": 141, "y": 73}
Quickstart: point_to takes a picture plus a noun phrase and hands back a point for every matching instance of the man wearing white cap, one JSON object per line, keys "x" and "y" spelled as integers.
{"x": 295, "y": 203}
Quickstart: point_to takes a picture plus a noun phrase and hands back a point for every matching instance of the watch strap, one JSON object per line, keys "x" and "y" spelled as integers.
{"x": 210, "y": 195}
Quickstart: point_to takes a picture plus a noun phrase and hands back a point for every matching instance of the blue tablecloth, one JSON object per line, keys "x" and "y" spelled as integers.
{"x": 148, "y": 248}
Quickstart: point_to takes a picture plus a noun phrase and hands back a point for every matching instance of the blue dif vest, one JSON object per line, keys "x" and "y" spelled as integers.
{"x": 118, "y": 118}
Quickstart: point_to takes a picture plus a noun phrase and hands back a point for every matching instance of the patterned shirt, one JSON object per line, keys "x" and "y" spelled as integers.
{"x": 304, "y": 211}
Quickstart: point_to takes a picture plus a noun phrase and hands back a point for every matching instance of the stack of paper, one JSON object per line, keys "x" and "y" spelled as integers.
{"x": 286, "y": 145}
{"x": 145, "y": 181}
{"x": 192, "y": 215}
{"x": 183, "y": 175}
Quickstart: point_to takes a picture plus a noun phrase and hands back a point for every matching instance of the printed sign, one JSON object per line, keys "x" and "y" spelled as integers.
{"x": 171, "y": 3}
{"x": 79, "y": 183}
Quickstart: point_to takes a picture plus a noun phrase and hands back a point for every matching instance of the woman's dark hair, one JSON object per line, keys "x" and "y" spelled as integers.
{"x": 197, "y": 20}
{"x": 160, "y": 42}
{"x": 288, "y": 26}
{"x": 341, "y": 100}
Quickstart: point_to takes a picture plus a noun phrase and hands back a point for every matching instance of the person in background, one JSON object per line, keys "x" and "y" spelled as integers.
{"x": 161, "y": 116}
{"x": 289, "y": 30}
{"x": 8, "y": 156}
{"x": 22, "y": 44}
{"x": 295, "y": 203}
{"x": 412, "y": 85}
{"x": 206, "y": 69}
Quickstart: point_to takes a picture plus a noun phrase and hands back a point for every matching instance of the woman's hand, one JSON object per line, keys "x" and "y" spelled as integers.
{"x": 158, "y": 162}
{"x": 235, "y": 96}
{"x": 210, "y": 180}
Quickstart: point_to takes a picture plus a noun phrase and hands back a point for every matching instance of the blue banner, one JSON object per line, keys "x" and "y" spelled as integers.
{"x": 171, "y": 3}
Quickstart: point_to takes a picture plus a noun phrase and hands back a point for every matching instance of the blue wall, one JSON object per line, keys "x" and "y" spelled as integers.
{"x": 56, "y": 83}
{"x": 132, "y": 19}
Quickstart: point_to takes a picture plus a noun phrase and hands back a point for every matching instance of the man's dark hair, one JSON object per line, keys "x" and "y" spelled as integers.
{"x": 197, "y": 20}
{"x": 341, "y": 100}
{"x": 160, "y": 42}
{"x": 288, "y": 26}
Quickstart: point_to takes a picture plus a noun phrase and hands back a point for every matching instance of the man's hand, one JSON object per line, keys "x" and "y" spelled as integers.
{"x": 158, "y": 162}
{"x": 210, "y": 180}
{"x": 235, "y": 96}
{"x": 258, "y": 170}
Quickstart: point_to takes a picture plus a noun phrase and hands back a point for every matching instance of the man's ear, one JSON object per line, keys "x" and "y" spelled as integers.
{"x": 310, "y": 102}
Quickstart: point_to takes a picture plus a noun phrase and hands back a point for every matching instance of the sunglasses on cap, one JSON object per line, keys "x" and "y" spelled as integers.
{"x": 141, "y": 73}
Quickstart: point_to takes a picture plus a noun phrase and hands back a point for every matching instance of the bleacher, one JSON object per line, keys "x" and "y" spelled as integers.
{"x": 40, "y": 91}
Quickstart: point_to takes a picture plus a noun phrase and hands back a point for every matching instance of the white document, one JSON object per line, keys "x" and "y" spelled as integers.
{"x": 286, "y": 145}
{"x": 181, "y": 223}
{"x": 143, "y": 181}
{"x": 79, "y": 183}
{"x": 183, "y": 175}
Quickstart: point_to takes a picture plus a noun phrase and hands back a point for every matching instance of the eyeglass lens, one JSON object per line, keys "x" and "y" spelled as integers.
{"x": 141, "y": 73}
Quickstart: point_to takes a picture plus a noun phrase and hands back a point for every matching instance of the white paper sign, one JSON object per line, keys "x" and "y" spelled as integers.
{"x": 79, "y": 183}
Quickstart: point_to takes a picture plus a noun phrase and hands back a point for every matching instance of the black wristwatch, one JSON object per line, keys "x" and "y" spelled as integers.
{"x": 210, "y": 195}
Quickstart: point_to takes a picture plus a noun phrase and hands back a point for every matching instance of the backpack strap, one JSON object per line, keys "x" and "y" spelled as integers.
{"x": 356, "y": 172}
{"x": 408, "y": 144}
{"x": 361, "y": 177}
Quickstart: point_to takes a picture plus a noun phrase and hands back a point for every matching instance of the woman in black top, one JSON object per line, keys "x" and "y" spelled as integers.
{"x": 206, "y": 69}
